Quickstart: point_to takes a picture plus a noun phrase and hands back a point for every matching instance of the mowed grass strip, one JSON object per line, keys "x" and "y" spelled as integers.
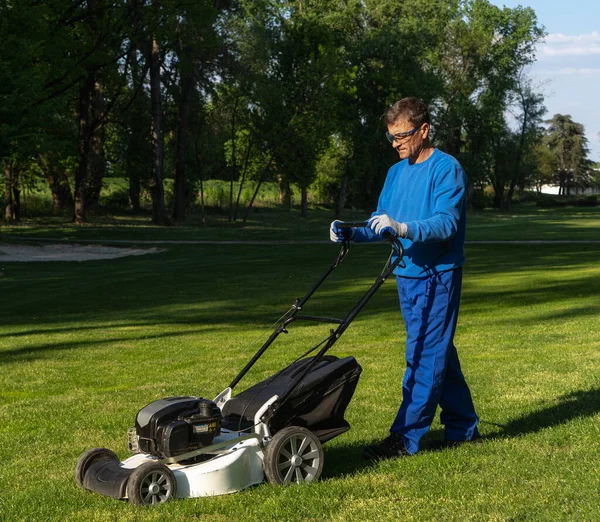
{"x": 83, "y": 346}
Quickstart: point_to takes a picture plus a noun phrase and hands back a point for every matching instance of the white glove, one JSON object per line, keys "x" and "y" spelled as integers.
{"x": 383, "y": 222}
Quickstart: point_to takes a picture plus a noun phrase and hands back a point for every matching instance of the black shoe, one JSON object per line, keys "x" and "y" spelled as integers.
{"x": 438, "y": 445}
{"x": 388, "y": 448}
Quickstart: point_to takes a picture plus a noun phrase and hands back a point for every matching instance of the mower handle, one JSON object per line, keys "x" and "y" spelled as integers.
{"x": 393, "y": 239}
{"x": 293, "y": 312}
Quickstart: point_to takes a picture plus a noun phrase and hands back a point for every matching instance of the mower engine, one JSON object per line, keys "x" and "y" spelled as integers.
{"x": 175, "y": 425}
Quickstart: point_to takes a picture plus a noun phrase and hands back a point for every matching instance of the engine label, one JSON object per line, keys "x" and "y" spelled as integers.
{"x": 204, "y": 428}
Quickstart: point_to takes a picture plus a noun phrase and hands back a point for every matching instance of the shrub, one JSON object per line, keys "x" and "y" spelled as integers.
{"x": 549, "y": 201}
{"x": 588, "y": 201}
{"x": 480, "y": 200}
{"x": 117, "y": 199}
{"x": 36, "y": 204}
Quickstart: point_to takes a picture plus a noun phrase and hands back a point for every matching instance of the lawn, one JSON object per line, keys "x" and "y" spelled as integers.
{"x": 83, "y": 346}
{"x": 526, "y": 222}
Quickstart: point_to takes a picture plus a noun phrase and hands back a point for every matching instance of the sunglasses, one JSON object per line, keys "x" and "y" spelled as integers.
{"x": 401, "y": 135}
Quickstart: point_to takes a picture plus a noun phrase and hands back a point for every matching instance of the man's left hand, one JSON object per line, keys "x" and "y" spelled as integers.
{"x": 379, "y": 224}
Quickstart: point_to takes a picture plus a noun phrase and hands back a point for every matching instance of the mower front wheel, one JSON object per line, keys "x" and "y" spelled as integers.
{"x": 294, "y": 455}
{"x": 86, "y": 459}
{"x": 150, "y": 484}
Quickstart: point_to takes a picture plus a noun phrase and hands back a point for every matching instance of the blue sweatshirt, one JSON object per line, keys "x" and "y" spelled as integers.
{"x": 430, "y": 197}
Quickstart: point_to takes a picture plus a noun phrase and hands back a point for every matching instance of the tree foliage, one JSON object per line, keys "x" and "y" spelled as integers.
{"x": 265, "y": 90}
{"x": 568, "y": 144}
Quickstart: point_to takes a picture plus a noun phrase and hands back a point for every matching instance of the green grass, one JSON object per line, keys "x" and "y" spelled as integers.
{"x": 526, "y": 222}
{"x": 83, "y": 346}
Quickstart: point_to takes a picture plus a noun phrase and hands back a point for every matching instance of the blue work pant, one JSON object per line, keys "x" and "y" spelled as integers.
{"x": 433, "y": 375}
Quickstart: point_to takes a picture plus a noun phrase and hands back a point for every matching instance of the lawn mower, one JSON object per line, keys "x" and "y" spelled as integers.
{"x": 192, "y": 447}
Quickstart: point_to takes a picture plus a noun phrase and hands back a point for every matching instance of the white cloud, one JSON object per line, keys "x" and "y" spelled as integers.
{"x": 578, "y": 71}
{"x": 558, "y": 44}
{"x": 568, "y": 71}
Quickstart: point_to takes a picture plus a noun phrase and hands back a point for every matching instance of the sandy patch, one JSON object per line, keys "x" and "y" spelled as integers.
{"x": 69, "y": 252}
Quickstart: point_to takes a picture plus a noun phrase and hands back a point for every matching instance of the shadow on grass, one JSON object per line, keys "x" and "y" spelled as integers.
{"x": 543, "y": 294}
{"x": 584, "y": 403}
{"x": 579, "y": 404}
{"x": 28, "y": 353}
{"x": 346, "y": 459}
{"x": 229, "y": 284}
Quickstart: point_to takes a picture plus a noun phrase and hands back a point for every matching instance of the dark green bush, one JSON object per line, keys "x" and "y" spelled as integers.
{"x": 588, "y": 201}
{"x": 480, "y": 200}
{"x": 550, "y": 201}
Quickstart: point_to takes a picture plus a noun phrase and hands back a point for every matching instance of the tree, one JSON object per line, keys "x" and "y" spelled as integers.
{"x": 35, "y": 115}
{"x": 566, "y": 139}
{"x": 198, "y": 51}
{"x": 486, "y": 49}
{"x": 93, "y": 33}
{"x": 256, "y": 90}
{"x": 528, "y": 113}
{"x": 294, "y": 85}
{"x": 388, "y": 52}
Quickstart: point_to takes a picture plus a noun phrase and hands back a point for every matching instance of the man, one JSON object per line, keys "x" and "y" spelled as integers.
{"x": 423, "y": 203}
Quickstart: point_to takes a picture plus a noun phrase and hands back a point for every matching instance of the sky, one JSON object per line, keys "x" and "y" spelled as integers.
{"x": 567, "y": 69}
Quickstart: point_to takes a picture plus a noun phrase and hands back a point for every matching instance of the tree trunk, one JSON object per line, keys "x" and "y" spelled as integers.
{"x": 249, "y": 207}
{"x": 159, "y": 212}
{"x": 16, "y": 198}
{"x": 242, "y": 180}
{"x": 509, "y": 195}
{"x": 498, "y": 197}
{"x": 260, "y": 181}
{"x": 59, "y": 200}
{"x": 134, "y": 190}
{"x": 183, "y": 123}
{"x": 233, "y": 159}
{"x": 304, "y": 201}
{"x": 8, "y": 184}
{"x": 137, "y": 133}
{"x": 58, "y": 182}
{"x": 341, "y": 199}
{"x": 498, "y": 190}
{"x": 285, "y": 193}
{"x": 97, "y": 159}
{"x": 470, "y": 192}
{"x": 518, "y": 157}
{"x": 562, "y": 179}
{"x": 202, "y": 207}
{"x": 81, "y": 174}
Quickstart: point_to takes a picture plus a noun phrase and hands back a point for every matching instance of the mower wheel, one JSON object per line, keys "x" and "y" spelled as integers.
{"x": 87, "y": 458}
{"x": 294, "y": 455}
{"x": 150, "y": 484}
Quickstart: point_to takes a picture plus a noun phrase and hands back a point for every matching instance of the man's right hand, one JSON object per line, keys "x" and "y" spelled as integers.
{"x": 339, "y": 235}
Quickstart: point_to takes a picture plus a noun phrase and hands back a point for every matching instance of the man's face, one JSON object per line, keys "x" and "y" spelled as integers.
{"x": 408, "y": 146}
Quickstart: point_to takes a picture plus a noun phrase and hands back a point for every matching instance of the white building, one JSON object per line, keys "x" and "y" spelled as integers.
{"x": 574, "y": 191}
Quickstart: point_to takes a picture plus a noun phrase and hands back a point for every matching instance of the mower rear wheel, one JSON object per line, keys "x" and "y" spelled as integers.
{"x": 86, "y": 458}
{"x": 150, "y": 484}
{"x": 294, "y": 455}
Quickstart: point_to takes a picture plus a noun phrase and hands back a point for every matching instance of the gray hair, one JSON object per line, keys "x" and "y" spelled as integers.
{"x": 410, "y": 109}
